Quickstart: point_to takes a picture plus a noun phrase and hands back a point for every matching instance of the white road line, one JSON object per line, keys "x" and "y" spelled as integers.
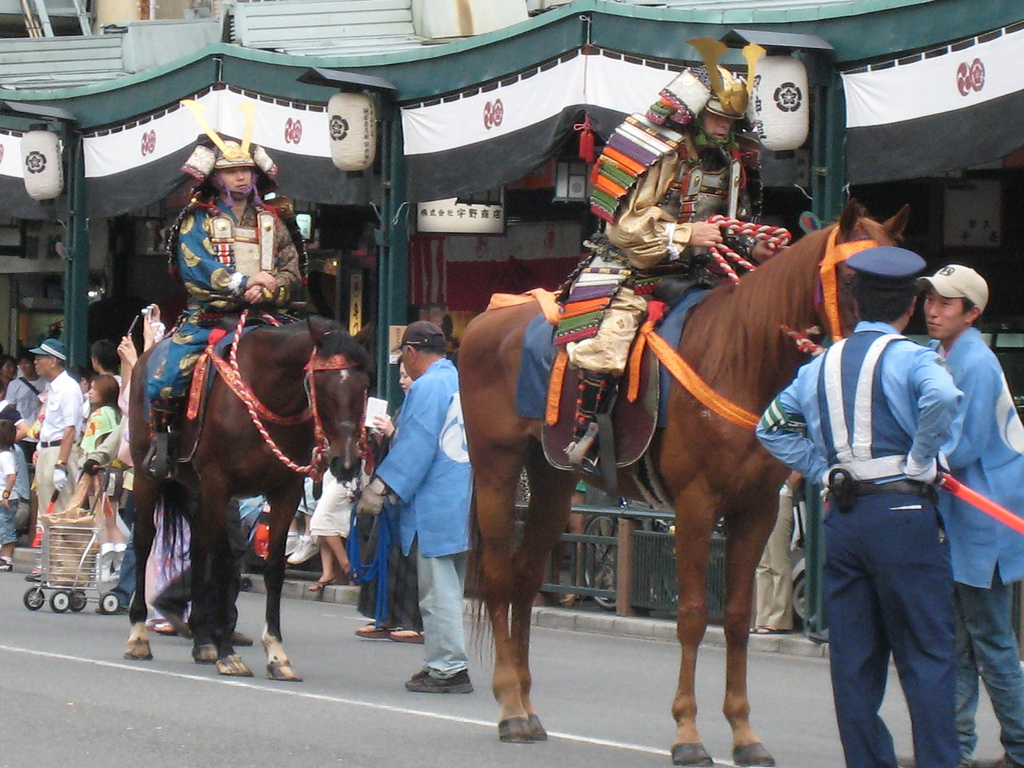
{"x": 242, "y": 683}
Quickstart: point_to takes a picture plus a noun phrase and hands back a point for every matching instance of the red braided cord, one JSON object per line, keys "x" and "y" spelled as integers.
{"x": 316, "y": 467}
{"x": 722, "y": 254}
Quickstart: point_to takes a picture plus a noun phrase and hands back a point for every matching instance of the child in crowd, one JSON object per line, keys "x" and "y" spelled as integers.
{"x": 99, "y": 447}
{"x": 9, "y": 502}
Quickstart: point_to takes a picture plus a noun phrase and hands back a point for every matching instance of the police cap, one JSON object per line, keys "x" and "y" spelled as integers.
{"x": 887, "y": 266}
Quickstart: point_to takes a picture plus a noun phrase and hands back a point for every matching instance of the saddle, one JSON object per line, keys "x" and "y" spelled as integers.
{"x": 633, "y": 423}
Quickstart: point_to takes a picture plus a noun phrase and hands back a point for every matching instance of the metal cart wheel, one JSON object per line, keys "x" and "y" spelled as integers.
{"x": 600, "y": 560}
{"x": 34, "y": 598}
{"x": 78, "y": 600}
{"x": 109, "y": 603}
{"x": 60, "y": 601}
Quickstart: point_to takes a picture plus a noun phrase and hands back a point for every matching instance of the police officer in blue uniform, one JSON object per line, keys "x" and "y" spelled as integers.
{"x": 867, "y": 419}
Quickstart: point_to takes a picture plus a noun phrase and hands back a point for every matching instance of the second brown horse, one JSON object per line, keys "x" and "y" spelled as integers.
{"x": 711, "y": 468}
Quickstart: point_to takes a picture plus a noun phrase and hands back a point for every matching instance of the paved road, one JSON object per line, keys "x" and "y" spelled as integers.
{"x": 69, "y": 698}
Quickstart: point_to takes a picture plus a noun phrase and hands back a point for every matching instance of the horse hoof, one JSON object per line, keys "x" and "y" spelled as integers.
{"x": 691, "y": 754}
{"x": 282, "y": 670}
{"x": 752, "y": 754}
{"x": 206, "y": 653}
{"x": 516, "y": 730}
{"x": 138, "y": 650}
{"x": 536, "y": 729}
{"x": 233, "y": 666}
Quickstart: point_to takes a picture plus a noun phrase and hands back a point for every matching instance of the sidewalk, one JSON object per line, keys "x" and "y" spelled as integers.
{"x": 572, "y": 619}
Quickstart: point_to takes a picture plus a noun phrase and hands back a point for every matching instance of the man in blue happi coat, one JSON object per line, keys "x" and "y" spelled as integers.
{"x": 986, "y": 453}
{"x": 867, "y": 419}
{"x": 428, "y": 470}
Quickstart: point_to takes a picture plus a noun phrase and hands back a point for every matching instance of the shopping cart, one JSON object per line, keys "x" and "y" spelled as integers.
{"x": 69, "y": 561}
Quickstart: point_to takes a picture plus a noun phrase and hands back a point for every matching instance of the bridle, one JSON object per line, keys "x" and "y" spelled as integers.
{"x": 258, "y": 412}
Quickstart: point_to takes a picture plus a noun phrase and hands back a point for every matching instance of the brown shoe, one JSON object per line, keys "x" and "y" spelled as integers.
{"x": 424, "y": 682}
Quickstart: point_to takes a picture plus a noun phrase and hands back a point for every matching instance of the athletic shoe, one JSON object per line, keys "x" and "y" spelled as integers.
{"x": 304, "y": 550}
{"x": 6, "y": 564}
{"x": 423, "y": 682}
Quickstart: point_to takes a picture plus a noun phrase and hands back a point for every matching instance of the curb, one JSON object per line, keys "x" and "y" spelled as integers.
{"x": 573, "y": 620}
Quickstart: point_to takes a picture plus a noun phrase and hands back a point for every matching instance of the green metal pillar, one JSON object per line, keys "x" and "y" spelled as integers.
{"x": 828, "y": 189}
{"x": 393, "y": 250}
{"x": 76, "y": 267}
{"x": 828, "y": 153}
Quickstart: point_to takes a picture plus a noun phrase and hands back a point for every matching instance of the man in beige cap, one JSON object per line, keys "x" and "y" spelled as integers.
{"x": 986, "y": 453}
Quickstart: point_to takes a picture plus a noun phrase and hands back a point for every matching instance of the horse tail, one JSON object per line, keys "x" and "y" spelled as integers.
{"x": 481, "y": 635}
{"x": 175, "y": 500}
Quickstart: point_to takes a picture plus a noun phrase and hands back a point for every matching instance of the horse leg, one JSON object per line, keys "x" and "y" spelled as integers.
{"x": 145, "y": 496}
{"x": 201, "y": 619}
{"x": 546, "y": 518}
{"x": 694, "y": 522}
{"x": 213, "y": 571}
{"x": 282, "y": 510}
{"x": 746, "y": 536}
{"x": 495, "y": 480}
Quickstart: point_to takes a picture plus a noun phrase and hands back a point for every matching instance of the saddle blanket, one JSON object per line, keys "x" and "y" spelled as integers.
{"x": 539, "y": 355}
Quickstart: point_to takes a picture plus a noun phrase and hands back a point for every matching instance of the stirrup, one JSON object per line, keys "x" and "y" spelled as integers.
{"x": 158, "y": 464}
{"x": 577, "y": 450}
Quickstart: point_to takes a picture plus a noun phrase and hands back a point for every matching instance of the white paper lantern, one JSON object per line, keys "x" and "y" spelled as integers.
{"x": 41, "y": 165}
{"x": 353, "y": 131}
{"x": 781, "y": 102}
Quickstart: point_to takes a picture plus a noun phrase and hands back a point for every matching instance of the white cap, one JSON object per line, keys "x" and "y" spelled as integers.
{"x": 957, "y": 282}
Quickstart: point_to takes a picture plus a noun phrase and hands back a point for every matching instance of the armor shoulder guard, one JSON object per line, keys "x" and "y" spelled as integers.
{"x": 634, "y": 147}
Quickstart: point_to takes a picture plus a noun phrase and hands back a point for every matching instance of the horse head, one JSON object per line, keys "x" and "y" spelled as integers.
{"x": 855, "y": 231}
{"x": 339, "y": 379}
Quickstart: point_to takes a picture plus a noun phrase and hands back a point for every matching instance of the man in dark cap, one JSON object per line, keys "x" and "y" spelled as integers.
{"x": 867, "y": 419}
{"x": 427, "y": 469}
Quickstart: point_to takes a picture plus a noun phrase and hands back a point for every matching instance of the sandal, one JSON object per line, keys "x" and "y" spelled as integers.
{"x": 373, "y": 632}
{"x": 770, "y": 631}
{"x": 406, "y": 636}
{"x": 163, "y": 628}
{"x": 319, "y": 586}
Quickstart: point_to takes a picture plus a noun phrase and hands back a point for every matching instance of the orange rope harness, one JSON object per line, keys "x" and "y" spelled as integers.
{"x": 682, "y": 372}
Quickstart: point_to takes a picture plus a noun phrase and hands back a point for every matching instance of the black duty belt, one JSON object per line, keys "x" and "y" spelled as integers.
{"x": 898, "y": 486}
{"x": 50, "y": 444}
{"x": 844, "y": 489}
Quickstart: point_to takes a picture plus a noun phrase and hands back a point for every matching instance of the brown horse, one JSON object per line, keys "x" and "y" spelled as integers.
{"x": 711, "y": 468}
{"x": 312, "y": 377}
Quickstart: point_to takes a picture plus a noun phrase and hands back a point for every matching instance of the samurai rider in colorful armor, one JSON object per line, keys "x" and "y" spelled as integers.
{"x": 661, "y": 176}
{"x": 232, "y": 251}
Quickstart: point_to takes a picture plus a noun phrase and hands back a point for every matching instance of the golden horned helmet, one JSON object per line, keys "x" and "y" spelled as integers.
{"x": 230, "y": 154}
{"x": 730, "y": 94}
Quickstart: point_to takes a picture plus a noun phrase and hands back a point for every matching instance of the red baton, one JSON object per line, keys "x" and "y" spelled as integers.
{"x": 1006, "y": 517}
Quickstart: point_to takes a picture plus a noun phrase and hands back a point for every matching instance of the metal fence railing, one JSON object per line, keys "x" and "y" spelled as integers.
{"x": 625, "y": 561}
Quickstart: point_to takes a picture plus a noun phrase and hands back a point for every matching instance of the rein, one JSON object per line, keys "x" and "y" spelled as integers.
{"x": 723, "y": 254}
{"x": 229, "y": 371}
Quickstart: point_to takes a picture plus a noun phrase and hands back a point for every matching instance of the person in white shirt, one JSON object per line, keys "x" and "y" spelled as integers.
{"x": 62, "y": 419}
{"x": 24, "y": 393}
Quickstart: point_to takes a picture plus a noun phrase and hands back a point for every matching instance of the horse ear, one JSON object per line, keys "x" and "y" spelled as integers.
{"x": 367, "y": 339}
{"x": 848, "y": 218}
{"x": 316, "y": 331}
{"x": 898, "y": 223}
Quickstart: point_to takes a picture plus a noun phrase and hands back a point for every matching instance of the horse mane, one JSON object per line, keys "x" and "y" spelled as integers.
{"x": 338, "y": 341}
{"x": 739, "y": 326}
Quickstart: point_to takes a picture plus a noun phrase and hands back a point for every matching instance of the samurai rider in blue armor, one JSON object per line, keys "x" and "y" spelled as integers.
{"x": 232, "y": 251}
